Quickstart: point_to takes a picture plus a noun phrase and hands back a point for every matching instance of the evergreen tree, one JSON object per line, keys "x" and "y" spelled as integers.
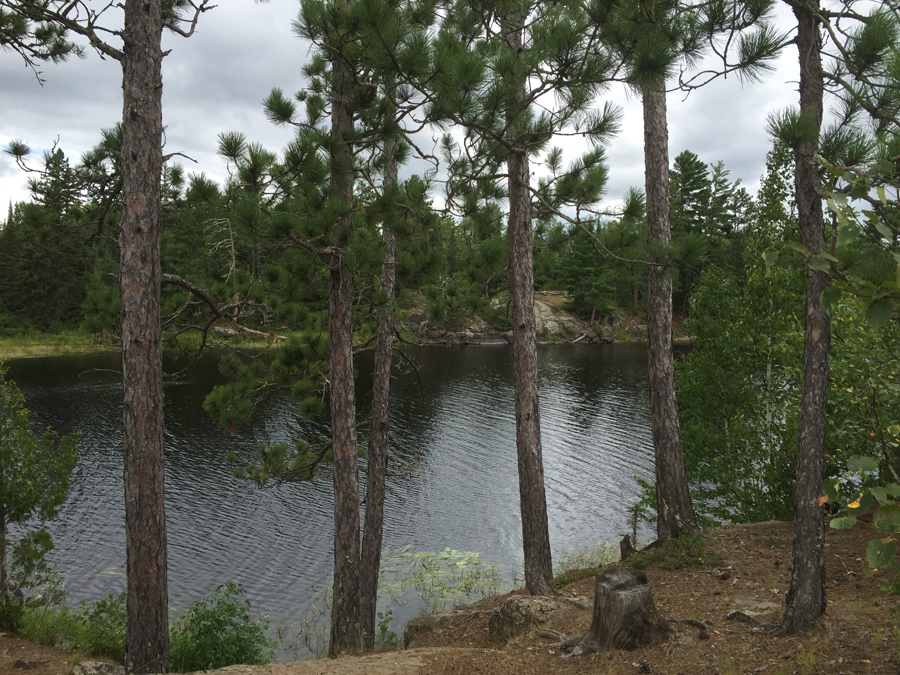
{"x": 489, "y": 83}
{"x": 860, "y": 46}
{"x": 140, "y": 55}
{"x": 45, "y": 251}
{"x": 651, "y": 37}
{"x": 690, "y": 188}
{"x": 588, "y": 278}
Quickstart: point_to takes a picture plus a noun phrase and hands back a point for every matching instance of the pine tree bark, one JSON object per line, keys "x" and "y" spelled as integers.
{"x": 673, "y": 500}
{"x": 805, "y": 600}
{"x": 345, "y": 626}
{"x": 147, "y": 634}
{"x": 378, "y": 434}
{"x": 520, "y": 274}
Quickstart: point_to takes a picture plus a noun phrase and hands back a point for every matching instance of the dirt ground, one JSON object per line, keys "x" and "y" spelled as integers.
{"x": 746, "y": 567}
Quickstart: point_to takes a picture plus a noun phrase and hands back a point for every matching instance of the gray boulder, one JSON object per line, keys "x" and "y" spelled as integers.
{"x": 97, "y": 668}
{"x": 523, "y": 613}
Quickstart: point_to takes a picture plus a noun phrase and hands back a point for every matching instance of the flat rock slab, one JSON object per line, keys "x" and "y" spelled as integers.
{"x": 750, "y": 603}
{"x": 97, "y": 668}
{"x": 523, "y": 613}
{"x": 384, "y": 663}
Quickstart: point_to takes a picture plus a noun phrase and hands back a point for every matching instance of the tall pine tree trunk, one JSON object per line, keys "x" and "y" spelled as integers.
{"x": 147, "y": 635}
{"x": 805, "y": 600}
{"x": 378, "y": 434}
{"x": 345, "y": 600}
{"x": 520, "y": 273}
{"x": 673, "y": 500}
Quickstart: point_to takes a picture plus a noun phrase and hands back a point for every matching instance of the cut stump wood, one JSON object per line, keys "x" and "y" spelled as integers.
{"x": 626, "y": 548}
{"x": 625, "y": 616}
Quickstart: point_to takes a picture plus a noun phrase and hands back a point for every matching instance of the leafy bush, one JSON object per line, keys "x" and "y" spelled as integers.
{"x": 385, "y": 636}
{"x": 219, "y": 632}
{"x": 11, "y": 610}
{"x": 866, "y": 481}
{"x": 98, "y": 629}
{"x": 105, "y": 626}
{"x": 33, "y": 486}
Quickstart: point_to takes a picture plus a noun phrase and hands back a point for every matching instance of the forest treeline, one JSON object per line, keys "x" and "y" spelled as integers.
{"x": 59, "y": 251}
{"x": 790, "y": 293}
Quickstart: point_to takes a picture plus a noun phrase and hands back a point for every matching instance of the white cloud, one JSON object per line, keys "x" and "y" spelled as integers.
{"x": 216, "y": 81}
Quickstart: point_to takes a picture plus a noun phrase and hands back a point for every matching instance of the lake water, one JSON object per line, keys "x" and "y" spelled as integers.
{"x": 277, "y": 541}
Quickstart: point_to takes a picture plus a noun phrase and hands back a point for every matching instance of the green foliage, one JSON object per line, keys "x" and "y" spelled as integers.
{"x": 35, "y": 472}
{"x": 871, "y": 487}
{"x": 739, "y": 388}
{"x": 640, "y": 511}
{"x": 686, "y": 550}
{"x": 97, "y": 629}
{"x": 385, "y": 636}
{"x": 105, "y": 626}
{"x": 34, "y": 41}
{"x": 219, "y": 632}
{"x": 589, "y": 279}
{"x": 100, "y": 306}
{"x": 738, "y": 395}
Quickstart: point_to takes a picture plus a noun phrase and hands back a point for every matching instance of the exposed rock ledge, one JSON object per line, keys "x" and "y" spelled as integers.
{"x": 552, "y": 325}
{"x": 383, "y": 663}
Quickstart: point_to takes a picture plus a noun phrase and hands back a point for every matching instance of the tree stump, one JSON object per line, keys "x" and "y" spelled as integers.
{"x": 626, "y": 548}
{"x": 625, "y": 616}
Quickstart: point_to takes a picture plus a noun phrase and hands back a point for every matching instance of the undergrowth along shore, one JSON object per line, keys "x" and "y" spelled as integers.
{"x": 697, "y": 578}
{"x": 215, "y": 632}
{"x": 224, "y": 630}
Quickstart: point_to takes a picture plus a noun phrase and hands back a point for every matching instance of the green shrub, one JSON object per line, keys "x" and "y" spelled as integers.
{"x": 105, "y": 626}
{"x": 385, "y": 637}
{"x": 11, "y": 610}
{"x": 219, "y": 632}
{"x": 688, "y": 549}
{"x": 97, "y": 630}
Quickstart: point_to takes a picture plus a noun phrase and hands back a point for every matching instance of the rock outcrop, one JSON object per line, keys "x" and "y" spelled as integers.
{"x": 524, "y": 613}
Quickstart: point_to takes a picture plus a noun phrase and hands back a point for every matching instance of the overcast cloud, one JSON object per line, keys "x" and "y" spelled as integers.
{"x": 216, "y": 80}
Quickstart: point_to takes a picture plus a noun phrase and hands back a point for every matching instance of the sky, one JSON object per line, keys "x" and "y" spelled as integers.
{"x": 216, "y": 80}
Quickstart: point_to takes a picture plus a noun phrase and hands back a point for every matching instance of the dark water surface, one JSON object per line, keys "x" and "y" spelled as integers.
{"x": 277, "y": 542}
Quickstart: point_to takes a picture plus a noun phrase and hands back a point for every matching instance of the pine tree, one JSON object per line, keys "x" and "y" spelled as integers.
{"x": 690, "y": 193}
{"x": 860, "y": 47}
{"x": 140, "y": 55}
{"x": 651, "y": 36}
{"x": 489, "y": 82}
{"x": 352, "y": 82}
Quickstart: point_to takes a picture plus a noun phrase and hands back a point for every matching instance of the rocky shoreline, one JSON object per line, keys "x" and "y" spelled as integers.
{"x": 553, "y": 326}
